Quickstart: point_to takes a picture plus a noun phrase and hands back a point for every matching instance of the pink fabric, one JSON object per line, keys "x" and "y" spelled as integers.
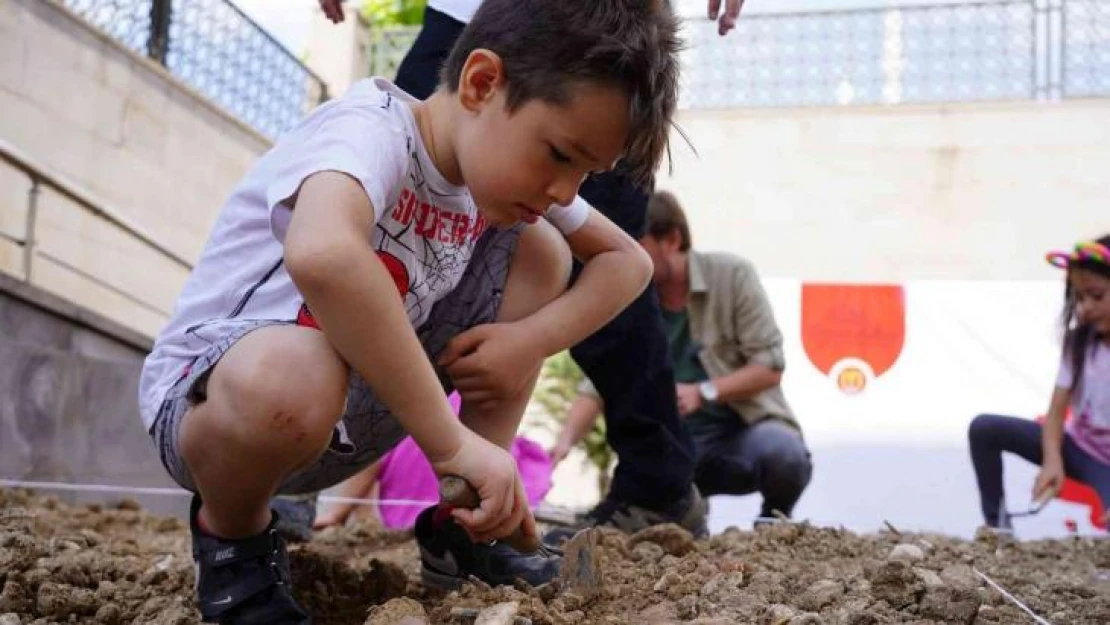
{"x": 406, "y": 474}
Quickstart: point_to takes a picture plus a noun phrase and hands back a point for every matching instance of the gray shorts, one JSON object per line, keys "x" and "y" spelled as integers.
{"x": 367, "y": 430}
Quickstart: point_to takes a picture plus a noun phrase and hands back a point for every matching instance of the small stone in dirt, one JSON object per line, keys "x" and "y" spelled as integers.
{"x": 778, "y": 614}
{"x": 960, "y": 576}
{"x": 894, "y": 582}
{"x": 109, "y": 614}
{"x": 665, "y": 582}
{"x": 929, "y": 578}
{"x": 498, "y": 614}
{"x": 728, "y": 582}
{"x": 395, "y": 610}
{"x": 687, "y": 607}
{"x": 664, "y": 612}
{"x": 673, "y": 539}
{"x": 809, "y": 618}
{"x": 820, "y": 594}
{"x": 16, "y": 597}
{"x": 10, "y": 618}
{"x": 950, "y": 605}
{"x": 907, "y": 553}
{"x": 648, "y": 552}
{"x": 458, "y": 612}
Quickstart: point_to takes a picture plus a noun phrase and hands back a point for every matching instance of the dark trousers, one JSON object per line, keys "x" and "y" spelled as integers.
{"x": 768, "y": 457}
{"x": 990, "y": 435}
{"x": 627, "y": 359}
{"x": 418, "y": 73}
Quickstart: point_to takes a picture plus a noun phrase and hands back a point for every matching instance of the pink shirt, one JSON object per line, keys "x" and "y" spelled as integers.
{"x": 405, "y": 473}
{"x": 1089, "y": 426}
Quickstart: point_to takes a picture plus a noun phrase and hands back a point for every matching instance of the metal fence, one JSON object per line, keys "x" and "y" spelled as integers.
{"x": 971, "y": 51}
{"x": 216, "y": 49}
{"x": 1085, "y": 69}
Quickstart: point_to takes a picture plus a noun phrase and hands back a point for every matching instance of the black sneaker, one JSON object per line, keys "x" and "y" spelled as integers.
{"x": 245, "y": 581}
{"x": 449, "y": 558}
{"x": 690, "y": 512}
{"x": 296, "y": 514}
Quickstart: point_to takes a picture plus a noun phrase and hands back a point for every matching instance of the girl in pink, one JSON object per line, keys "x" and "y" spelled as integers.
{"x": 404, "y": 474}
{"x": 1080, "y": 449}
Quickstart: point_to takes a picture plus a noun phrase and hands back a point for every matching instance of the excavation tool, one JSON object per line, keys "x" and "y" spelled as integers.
{"x": 580, "y": 571}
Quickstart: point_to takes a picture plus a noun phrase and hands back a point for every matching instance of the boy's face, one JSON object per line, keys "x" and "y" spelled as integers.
{"x": 1092, "y": 299}
{"x": 517, "y": 164}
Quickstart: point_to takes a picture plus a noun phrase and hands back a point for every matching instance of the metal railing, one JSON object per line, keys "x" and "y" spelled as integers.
{"x": 217, "y": 50}
{"x": 1085, "y": 67}
{"x": 953, "y": 52}
{"x": 40, "y": 177}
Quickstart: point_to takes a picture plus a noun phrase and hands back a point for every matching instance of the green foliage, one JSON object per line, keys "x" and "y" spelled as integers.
{"x": 394, "y": 12}
{"x": 557, "y": 387}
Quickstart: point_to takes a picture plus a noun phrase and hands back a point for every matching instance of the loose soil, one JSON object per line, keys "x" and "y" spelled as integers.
{"x": 93, "y": 564}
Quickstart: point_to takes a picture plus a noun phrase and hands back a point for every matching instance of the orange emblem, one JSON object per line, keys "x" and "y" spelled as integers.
{"x": 853, "y": 333}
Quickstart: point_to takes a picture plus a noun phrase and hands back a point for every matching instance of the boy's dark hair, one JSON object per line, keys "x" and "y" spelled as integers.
{"x": 665, "y": 215}
{"x": 1078, "y": 339}
{"x": 549, "y": 45}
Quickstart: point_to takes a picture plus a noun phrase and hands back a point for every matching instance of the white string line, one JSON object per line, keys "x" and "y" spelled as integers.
{"x": 1013, "y": 599}
{"x": 148, "y": 490}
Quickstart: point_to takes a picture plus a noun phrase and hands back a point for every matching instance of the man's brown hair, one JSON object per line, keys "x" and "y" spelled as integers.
{"x": 547, "y": 46}
{"x": 665, "y": 215}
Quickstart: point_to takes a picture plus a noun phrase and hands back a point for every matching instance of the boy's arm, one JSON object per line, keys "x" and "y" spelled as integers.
{"x": 615, "y": 271}
{"x": 490, "y": 363}
{"x": 355, "y": 301}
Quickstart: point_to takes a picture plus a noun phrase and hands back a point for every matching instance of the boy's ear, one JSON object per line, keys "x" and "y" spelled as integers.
{"x": 482, "y": 76}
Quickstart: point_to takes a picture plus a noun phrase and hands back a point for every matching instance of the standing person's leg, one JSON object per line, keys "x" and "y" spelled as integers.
{"x": 418, "y": 74}
{"x": 989, "y": 436}
{"x": 769, "y": 457}
{"x": 627, "y": 361}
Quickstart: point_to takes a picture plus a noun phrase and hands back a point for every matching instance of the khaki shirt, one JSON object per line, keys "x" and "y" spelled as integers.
{"x": 731, "y": 318}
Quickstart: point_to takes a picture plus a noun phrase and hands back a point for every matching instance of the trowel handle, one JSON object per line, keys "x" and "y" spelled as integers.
{"x": 457, "y": 492}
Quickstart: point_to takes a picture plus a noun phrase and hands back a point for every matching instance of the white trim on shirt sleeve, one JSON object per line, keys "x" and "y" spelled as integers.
{"x": 569, "y": 218}
{"x": 353, "y": 143}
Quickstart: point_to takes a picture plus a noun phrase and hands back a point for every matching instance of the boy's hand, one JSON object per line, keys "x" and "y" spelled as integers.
{"x": 492, "y": 472}
{"x": 491, "y": 363}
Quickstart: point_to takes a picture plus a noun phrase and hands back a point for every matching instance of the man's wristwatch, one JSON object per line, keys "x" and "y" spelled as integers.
{"x": 708, "y": 391}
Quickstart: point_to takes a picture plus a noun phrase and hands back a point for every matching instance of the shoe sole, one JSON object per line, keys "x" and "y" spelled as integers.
{"x": 442, "y": 581}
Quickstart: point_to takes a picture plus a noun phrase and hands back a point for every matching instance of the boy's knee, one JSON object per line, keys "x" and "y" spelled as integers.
{"x": 294, "y": 389}
{"x": 540, "y": 269}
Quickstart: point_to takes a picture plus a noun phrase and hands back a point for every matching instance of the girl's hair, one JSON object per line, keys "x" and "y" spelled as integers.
{"x": 1078, "y": 339}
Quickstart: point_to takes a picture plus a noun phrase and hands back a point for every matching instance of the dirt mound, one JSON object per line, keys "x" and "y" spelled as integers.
{"x": 88, "y": 564}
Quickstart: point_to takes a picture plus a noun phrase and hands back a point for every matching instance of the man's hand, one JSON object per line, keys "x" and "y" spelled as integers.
{"x": 689, "y": 398}
{"x": 727, "y": 20}
{"x": 333, "y": 10}
{"x": 491, "y": 363}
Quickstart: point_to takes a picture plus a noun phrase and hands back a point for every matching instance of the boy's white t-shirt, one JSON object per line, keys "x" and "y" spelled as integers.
{"x": 1090, "y": 401}
{"x": 424, "y": 233}
{"x": 462, "y": 10}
